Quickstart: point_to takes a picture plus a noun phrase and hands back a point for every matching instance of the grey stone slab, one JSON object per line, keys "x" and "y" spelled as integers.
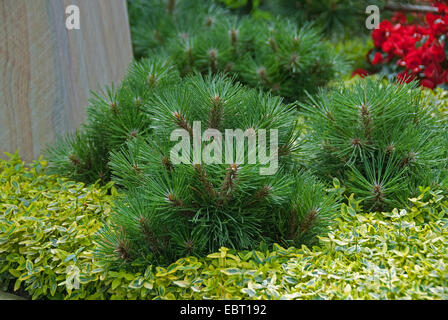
{"x": 8, "y": 296}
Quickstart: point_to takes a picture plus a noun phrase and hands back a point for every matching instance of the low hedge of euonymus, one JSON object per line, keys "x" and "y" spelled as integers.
{"x": 47, "y": 225}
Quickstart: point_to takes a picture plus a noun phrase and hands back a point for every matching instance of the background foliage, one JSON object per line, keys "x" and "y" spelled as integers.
{"x": 277, "y": 55}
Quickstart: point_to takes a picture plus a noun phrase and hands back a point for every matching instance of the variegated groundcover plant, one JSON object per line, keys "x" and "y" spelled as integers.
{"x": 46, "y": 251}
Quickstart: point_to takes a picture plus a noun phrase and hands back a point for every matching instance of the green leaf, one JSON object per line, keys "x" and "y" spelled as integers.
{"x": 29, "y": 266}
{"x": 182, "y": 283}
{"x": 231, "y": 271}
{"x": 115, "y": 283}
{"x": 17, "y": 284}
{"x": 70, "y": 257}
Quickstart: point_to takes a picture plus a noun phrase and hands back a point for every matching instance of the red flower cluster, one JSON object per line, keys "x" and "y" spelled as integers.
{"x": 417, "y": 51}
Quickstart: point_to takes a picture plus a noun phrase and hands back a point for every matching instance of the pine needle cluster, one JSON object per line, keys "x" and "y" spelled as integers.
{"x": 378, "y": 138}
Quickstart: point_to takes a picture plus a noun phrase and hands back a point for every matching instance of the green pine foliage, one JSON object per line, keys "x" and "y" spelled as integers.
{"x": 113, "y": 117}
{"x": 155, "y": 22}
{"x": 79, "y": 157}
{"x": 378, "y": 138}
{"x": 275, "y": 55}
{"x": 182, "y": 38}
{"x": 336, "y": 18}
{"x": 172, "y": 210}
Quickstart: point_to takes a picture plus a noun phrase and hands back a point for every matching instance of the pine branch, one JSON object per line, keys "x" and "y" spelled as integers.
{"x": 229, "y": 67}
{"x": 293, "y": 224}
{"x": 262, "y": 193}
{"x": 152, "y": 81}
{"x": 167, "y": 164}
{"x": 190, "y": 58}
{"x": 263, "y": 75}
{"x": 171, "y": 6}
{"x": 182, "y": 123}
{"x": 149, "y": 235}
{"x": 221, "y": 204}
{"x": 158, "y": 37}
{"x": 213, "y": 60}
{"x": 378, "y": 194}
{"x": 175, "y": 201}
{"x": 366, "y": 120}
{"x": 75, "y": 160}
{"x": 205, "y": 181}
{"x": 137, "y": 168}
{"x": 273, "y": 44}
{"x": 216, "y": 112}
{"x": 308, "y": 221}
{"x": 123, "y": 249}
{"x": 229, "y": 183}
{"x": 394, "y": 6}
{"x": 233, "y": 37}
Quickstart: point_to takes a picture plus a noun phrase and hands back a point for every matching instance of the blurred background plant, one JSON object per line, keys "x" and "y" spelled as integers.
{"x": 411, "y": 45}
{"x": 276, "y": 54}
{"x": 336, "y": 18}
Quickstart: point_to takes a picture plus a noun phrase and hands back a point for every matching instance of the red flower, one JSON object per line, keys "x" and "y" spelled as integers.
{"x": 427, "y": 84}
{"x": 418, "y": 50}
{"x": 413, "y": 60}
{"x": 435, "y": 73}
{"x": 377, "y": 59}
{"x": 443, "y": 8}
{"x": 360, "y": 72}
{"x": 436, "y": 53}
{"x": 380, "y": 35}
{"x": 400, "y": 17}
{"x": 405, "y": 77}
{"x": 437, "y": 24}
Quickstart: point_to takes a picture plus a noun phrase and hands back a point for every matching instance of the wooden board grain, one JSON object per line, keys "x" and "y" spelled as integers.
{"x": 47, "y": 71}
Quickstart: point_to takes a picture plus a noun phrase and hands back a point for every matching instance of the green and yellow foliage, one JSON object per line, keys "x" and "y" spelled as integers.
{"x": 437, "y": 99}
{"x": 393, "y": 255}
{"x": 46, "y": 229}
{"x": 47, "y": 225}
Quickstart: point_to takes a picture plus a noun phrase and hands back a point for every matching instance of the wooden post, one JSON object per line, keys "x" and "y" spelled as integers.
{"x": 48, "y": 71}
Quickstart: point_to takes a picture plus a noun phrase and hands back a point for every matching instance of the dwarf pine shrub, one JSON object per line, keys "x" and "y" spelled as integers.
{"x": 378, "y": 138}
{"x": 276, "y": 55}
{"x": 171, "y": 210}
